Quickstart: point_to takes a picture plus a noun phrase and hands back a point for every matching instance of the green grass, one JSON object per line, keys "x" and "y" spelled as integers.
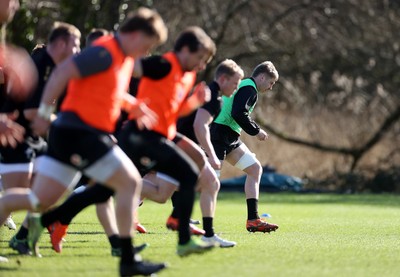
{"x": 319, "y": 235}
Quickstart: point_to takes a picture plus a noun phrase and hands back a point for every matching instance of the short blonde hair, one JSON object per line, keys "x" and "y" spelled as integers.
{"x": 228, "y": 67}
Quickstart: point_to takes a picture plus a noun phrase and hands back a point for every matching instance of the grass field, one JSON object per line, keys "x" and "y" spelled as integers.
{"x": 319, "y": 235}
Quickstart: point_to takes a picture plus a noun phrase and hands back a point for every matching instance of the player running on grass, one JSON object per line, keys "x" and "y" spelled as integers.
{"x": 79, "y": 140}
{"x": 165, "y": 85}
{"x": 168, "y": 92}
{"x": 195, "y": 129}
{"x": 17, "y": 164}
{"x": 105, "y": 211}
{"x": 12, "y": 134}
{"x": 225, "y": 137}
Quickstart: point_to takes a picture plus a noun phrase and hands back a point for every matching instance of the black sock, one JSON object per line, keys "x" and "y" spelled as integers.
{"x": 114, "y": 241}
{"x": 185, "y": 207}
{"x": 126, "y": 250}
{"x": 22, "y": 233}
{"x": 75, "y": 204}
{"x": 174, "y": 200}
{"x": 252, "y": 208}
{"x": 208, "y": 226}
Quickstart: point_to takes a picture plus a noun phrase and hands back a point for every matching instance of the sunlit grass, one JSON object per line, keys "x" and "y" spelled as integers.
{"x": 319, "y": 235}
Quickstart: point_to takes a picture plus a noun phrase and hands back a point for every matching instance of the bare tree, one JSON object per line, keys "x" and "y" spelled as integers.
{"x": 338, "y": 61}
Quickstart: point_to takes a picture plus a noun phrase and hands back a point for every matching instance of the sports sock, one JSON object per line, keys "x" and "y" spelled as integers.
{"x": 76, "y": 203}
{"x": 22, "y": 233}
{"x": 126, "y": 250}
{"x": 185, "y": 208}
{"x": 208, "y": 226}
{"x": 174, "y": 200}
{"x": 252, "y": 208}
{"x": 115, "y": 241}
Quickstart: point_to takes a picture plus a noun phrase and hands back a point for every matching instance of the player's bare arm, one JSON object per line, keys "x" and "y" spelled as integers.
{"x": 201, "y": 94}
{"x": 52, "y": 91}
{"x": 145, "y": 117}
{"x": 262, "y": 135}
{"x": 201, "y": 129}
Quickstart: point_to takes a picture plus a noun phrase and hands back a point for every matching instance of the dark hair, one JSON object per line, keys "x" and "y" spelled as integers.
{"x": 95, "y": 34}
{"x": 266, "y": 67}
{"x": 147, "y": 21}
{"x": 62, "y": 30}
{"x": 195, "y": 38}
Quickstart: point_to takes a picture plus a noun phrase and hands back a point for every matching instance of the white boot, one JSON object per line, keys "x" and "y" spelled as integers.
{"x": 10, "y": 223}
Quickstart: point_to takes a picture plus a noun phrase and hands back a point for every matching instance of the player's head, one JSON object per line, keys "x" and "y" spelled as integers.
{"x": 7, "y": 10}
{"x": 141, "y": 31}
{"x": 265, "y": 75}
{"x": 95, "y": 34}
{"x": 194, "y": 49}
{"x": 228, "y": 75}
{"x": 64, "y": 40}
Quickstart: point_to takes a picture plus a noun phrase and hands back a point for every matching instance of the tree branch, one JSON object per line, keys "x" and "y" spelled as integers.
{"x": 355, "y": 153}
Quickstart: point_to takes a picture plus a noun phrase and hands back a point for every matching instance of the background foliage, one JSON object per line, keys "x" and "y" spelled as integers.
{"x": 335, "y": 112}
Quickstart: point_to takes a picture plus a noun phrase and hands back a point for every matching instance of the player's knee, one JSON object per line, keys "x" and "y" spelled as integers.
{"x": 209, "y": 180}
{"x": 249, "y": 164}
{"x": 255, "y": 170}
{"x": 212, "y": 186}
{"x": 217, "y": 185}
{"x": 162, "y": 199}
{"x": 122, "y": 180}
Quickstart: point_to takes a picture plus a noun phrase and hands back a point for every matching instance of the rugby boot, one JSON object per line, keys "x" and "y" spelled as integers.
{"x": 173, "y": 224}
{"x": 140, "y": 268}
{"x": 218, "y": 241}
{"x": 57, "y": 233}
{"x": 10, "y": 224}
{"x": 21, "y": 246}
{"x": 259, "y": 225}
{"x": 193, "y": 246}
{"x": 140, "y": 228}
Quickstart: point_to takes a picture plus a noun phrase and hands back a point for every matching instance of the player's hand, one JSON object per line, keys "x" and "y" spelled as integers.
{"x": 10, "y": 132}
{"x": 201, "y": 94}
{"x": 40, "y": 126}
{"x": 145, "y": 117}
{"x": 214, "y": 162}
{"x": 262, "y": 135}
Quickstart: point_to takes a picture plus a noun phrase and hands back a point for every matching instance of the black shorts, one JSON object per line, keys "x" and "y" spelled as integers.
{"x": 25, "y": 152}
{"x": 150, "y": 150}
{"x": 224, "y": 140}
{"x": 21, "y": 154}
{"x": 73, "y": 142}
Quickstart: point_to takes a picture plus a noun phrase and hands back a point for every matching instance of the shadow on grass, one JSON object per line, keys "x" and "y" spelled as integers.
{"x": 85, "y": 233}
{"x": 7, "y": 269}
